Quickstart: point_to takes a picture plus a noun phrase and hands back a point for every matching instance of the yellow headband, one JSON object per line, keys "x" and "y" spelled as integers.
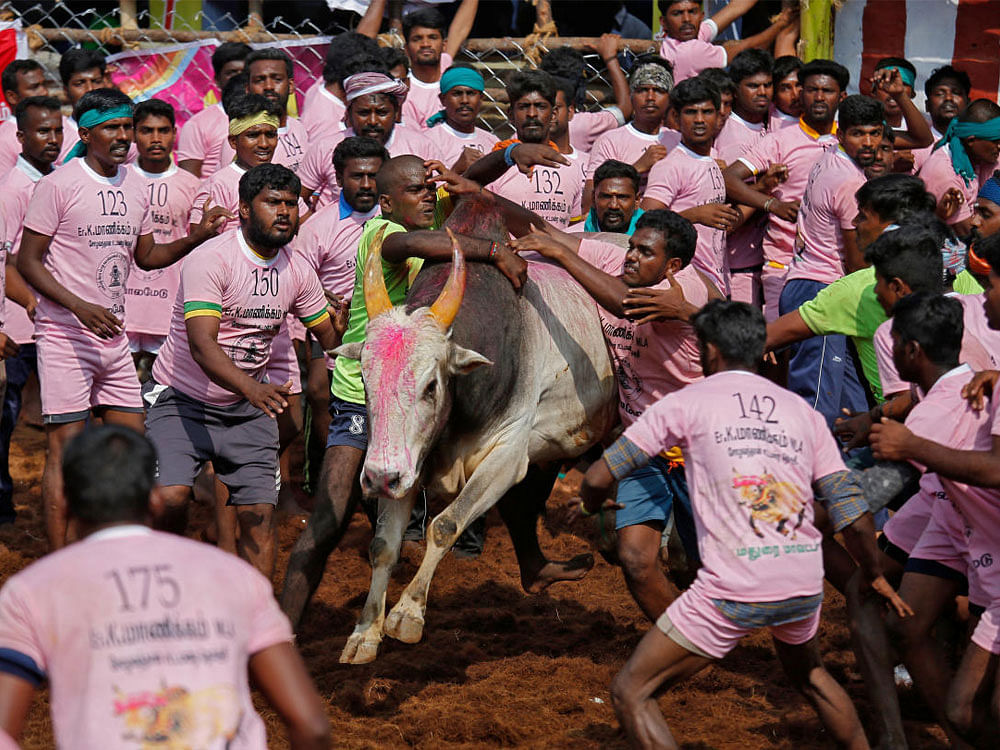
{"x": 241, "y": 124}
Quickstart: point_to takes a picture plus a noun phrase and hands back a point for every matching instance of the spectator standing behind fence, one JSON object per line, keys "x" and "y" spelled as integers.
{"x": 75, "y": 619}
{"x": 430, "y": 49}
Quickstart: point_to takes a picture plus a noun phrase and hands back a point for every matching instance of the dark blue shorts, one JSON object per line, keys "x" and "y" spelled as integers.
{"x": 349, "y": 425}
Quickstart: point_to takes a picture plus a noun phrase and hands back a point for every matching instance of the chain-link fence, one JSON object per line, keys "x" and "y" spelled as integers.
{"x": 148, "y": 58}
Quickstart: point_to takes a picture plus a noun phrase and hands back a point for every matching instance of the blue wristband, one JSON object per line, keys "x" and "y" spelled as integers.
{"x": 507, "y": 154}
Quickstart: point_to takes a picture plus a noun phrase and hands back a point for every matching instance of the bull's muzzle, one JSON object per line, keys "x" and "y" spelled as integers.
{"x": 388, "y": 484}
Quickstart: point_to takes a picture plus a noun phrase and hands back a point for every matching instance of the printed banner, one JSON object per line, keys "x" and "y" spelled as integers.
{"x": 13, "y": 45}
{"x": 181, "y": 74}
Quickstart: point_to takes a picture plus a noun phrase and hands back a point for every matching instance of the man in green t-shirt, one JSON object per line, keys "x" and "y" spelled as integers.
{"x": 407, "y": 229}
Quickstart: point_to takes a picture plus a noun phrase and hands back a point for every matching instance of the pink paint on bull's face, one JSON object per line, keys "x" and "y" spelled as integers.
{"x": 404, "y": 365}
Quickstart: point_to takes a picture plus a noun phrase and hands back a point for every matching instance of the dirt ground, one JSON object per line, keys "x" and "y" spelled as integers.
{"x": 497, "y": 668}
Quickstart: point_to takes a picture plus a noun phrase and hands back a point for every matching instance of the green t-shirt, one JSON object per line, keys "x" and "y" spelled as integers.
{"x": 347, "y": 384}
{"x": 848, "y": 306}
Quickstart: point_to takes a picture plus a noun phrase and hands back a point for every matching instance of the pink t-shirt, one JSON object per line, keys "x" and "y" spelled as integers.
{"x": 206, "y": 137}
{"x": 653, "y": 359}
{"x": 685, "y": 180}
{"x": 752, "y": 451}
{"x": 423, "y": 99}
{"x": 16, "y": 189}
{"x": 554, "y": 193}
{"x": 939, "y": 175}
{"x": 448, "y": 142}
{"x": 744, "y": 246}
{"x": 980, "y": 344}
{"x": 586, "y": 127}
{"x": 828, "y": 209}
{"x": 94, "y": 223}
{"x": 250, "y": 295}
{"x": 736, "y": 136}
{"x": 981, "y": 509}
{"x": 316, "y": 170}
{"x": 943, "y": 416}
{"x": 150, "y": 294}
{"x": 798, "y": 149}
{"x": 778, "y": 120}
{"x": 140, "y": 634}
{"x": 293, "y": 142}
{"x": 323, "y": 113}
{"x": 223, "y": 188}
{"x": 10, "y": 148}
{"x": 693, "y": 56}
{"x": 628, "y": 144}
{"x": 920, "y": 155}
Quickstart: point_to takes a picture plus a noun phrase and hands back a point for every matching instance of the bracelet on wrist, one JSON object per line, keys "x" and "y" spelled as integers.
{"x": 494, "y": 249}
{"x": 767, "y": 205}
{"x": 508, "y": 154}
{"x": 583, "y": 510}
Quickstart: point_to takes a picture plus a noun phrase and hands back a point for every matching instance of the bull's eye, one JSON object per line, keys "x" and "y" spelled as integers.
{"x": 430, "y": 390}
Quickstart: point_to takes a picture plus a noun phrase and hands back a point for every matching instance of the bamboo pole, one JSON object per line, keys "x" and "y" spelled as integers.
{"x": 816, "y": 19}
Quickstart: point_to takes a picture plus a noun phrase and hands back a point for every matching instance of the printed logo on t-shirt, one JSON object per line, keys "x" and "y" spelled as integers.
{"x": 250, "y": 350}
{"x": 112, "y": 275}
{"x": 770, "y": 501}
{"x": 171, "y": 716}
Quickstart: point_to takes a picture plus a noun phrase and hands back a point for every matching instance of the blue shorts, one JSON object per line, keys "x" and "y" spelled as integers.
{"x": 349, "y": 425}
{"x": 649, "y": 493}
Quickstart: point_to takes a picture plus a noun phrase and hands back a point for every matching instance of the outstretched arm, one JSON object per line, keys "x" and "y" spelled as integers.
{"x": 150, "y": 255}
{"x": 730, "y": 12}
{"x": 371, "y": 21}
{"x": 764, "y": 39}
{"x": 461, "y": 26}
{"x": 525, "y": 155}
{"x": 893, "y": 441}
{"x": 786, "y": 330}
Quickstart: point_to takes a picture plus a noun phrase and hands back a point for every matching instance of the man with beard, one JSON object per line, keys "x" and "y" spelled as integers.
{"x": 430, "y": 50}
{"x": 84, "y": 225}
{"x": 947, "y": 91}
{"x": 269, "y": 73}
{"x": 374, "y": 101}
{"x": 553, "y": 188}
{"x": 689, "y": 181}
{"x": 329, "y": 243}
{"x": 21, "y": 79}
{"x": 208, "y": 399}
{"x": 172, "y": 191}
{"x": 616, "y": 199}
{"x": 968, "y": 149}
{"x": 202, "y": 147}
{"x": 40, "y": 132}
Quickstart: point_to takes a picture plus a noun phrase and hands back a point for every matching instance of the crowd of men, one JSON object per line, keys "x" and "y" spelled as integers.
{"x": 790, "y": 279}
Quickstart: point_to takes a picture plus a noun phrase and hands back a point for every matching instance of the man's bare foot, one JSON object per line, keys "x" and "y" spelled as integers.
{"x": 554, "y": 571}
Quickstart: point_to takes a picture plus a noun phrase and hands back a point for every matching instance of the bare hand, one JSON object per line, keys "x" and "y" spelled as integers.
{"x": 787, "y": 210}
{"x": 646, "y": 304}
{"x": 528, "y": 155}
{"x": 884, "y": 589}
{"x": 538, "y": 242}
{"x": 7, "y": 346}
{"x": 30, "y": 309}
{"x": 889, "y": 440}
{"x": 715, "y": 215}
{"x": 511, "y": 265}
{"x": 607, "y": 46}
{"x": 774, "y": 176}
{"x": 980, "y": 388}
{"x": 649, "y": 157}
{"x": 213, "y": 219}
{"x": 453, "y": 182}
{"x": 853, "y": 429}
{"x": 890, "y": 81}
{"x": 270, "y": 399}
{"x": 340, "y": 311}
{"x": 98, "y": 319}
{"x": 949, "y": 203}
{"x": 575, "y": 510}
{"x": 902, "y": 161}
{"x": 468, "y": 157}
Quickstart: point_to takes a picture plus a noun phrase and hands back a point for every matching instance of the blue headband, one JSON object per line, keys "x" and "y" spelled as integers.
{"x": 456, "y": 77}
{"x": 991, "y": 190}
{"x": 960, "y": 162}
{"x": 908, "y": 77}
{"x": 93, "y": 117}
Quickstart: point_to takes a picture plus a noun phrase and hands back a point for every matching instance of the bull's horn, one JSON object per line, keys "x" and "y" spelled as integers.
{"x": 376, "y": 297}
{"x": 445, "y": 307}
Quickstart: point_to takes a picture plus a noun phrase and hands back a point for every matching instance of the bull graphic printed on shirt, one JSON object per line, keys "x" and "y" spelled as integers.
{"x": 770, "y": 501}
{"x": 174, "y": 719}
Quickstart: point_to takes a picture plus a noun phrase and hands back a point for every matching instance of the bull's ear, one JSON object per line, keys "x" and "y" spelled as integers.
{"x": 464, "y": 361}
{"x": 351, "y": 350}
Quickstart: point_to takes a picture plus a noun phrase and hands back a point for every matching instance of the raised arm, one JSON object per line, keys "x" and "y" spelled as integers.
{"x": 730, "y": 12}
{"x": 918, "y": 131}
{"x": 461, "y": 26}
{"x": 764, "y": 39}
{"x": 607, "y": 48}
{"x": 371, "y": 21}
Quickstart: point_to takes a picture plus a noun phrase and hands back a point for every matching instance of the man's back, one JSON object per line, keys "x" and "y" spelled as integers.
{"x": 142, "y": 634}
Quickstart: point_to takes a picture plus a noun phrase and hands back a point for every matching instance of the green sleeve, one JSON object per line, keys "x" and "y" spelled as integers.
{"x": 838, "y": 308}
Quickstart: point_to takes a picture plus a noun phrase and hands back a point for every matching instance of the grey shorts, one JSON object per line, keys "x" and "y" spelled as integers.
{"x": 240, "y": 440}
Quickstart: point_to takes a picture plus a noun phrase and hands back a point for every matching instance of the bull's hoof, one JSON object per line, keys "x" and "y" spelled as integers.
{"x": 360, "y": 649}
{"x": 404, "y": 627}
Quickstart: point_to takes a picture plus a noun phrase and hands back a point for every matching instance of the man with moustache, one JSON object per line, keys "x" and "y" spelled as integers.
{"x": 269, "y": 73}
{"x": 616, "y": 199}
{"x": 85, "y": 223}
{"x": 208, "y": 399}
{"x": 947, "y": 91}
